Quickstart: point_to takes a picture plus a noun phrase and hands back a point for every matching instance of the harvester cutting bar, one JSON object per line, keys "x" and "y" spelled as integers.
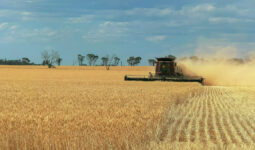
{"x": 138, "y": 78}
{"x": 174, "y": 79}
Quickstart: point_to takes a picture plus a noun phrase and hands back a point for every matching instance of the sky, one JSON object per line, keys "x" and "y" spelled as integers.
{"x": 145, "y": 28}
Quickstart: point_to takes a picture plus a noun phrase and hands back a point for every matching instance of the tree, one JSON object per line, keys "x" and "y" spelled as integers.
{"x": 45, "y": 62}
{"x": 50, "y": 58}
{"x": 92, "y": 58}
{"x": 108, "y": 61}
{"x": 116, "y": 61}
{"x": 25, "y": 60}
{"x": 45, "y": 57}
{"x": 105, "y": 60}
{"x": 80, "y": 59}
{"x": 137, "y": 60}
{"x": 152, "y": 62}
{"x": 131, "y": 61}
{"x": 59, "y": 60}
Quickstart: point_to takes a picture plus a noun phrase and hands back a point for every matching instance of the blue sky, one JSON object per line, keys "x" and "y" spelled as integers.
{"x": 145, "y": 28}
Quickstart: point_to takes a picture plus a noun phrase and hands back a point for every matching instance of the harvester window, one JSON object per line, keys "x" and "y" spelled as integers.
{"x": 164, "y": 68}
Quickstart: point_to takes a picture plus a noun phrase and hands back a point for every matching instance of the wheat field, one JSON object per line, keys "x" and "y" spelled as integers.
{"x": 92, "y": 108}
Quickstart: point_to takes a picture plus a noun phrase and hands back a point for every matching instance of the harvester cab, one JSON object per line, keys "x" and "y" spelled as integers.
{"x": 166, "y": 70}
{"x": 167, "y": 67}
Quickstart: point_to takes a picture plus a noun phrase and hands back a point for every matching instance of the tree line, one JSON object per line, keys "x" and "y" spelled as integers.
{"x": 52, "y": 58}
{"x": 106, "y": 61}
{"x": 23, "y": 61}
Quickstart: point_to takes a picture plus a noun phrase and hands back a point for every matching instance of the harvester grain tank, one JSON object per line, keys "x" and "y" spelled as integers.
{"x": 166, "y": 70}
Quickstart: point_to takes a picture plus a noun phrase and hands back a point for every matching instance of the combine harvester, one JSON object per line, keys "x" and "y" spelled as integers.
{"x": 166, "y": 70}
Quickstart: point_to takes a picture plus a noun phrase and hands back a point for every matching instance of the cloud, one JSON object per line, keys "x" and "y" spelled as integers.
{"x": 13, "y": 27}
{"x": 166, "y": 12}
{"x": 113, "y": 24}
{"x": 229, "y": 20}
{"x": 203, "y": 19}
{"x": 24, "y": 35}
{"x": 24, "y": 15}
{"x": 143, "y": 14}
{"x": 30, "y": 1}
{"x": 107, "y": 30}
{"x": 44, "y": 33}
{"x": 156, "y": 38}
{"x": 81, "y": 19}
{"x": 203, "y": 8}
{"x": 151, "y": 24}
{"x": 150, "y": 11}
{"x": 16, "y": 14}
{"x": 223, "y": 20}
{"x": 3, "y": 25}
{"x": 197, "y": 11}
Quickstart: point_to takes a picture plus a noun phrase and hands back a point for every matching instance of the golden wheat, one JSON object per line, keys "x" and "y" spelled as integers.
{"x": 92, "y": 108}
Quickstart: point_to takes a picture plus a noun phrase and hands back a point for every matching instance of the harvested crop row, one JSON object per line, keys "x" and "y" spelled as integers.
{"x": 211, "y": 119}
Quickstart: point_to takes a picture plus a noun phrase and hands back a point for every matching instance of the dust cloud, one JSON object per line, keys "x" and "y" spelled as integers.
{"x": 224, "y": 67}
